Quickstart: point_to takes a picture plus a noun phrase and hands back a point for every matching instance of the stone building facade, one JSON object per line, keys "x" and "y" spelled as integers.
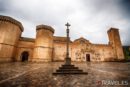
{"x": 46, "y": 47}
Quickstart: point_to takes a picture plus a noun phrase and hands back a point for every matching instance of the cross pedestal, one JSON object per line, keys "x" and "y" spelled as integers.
{"x": 68, "y": 61}
{"x": 68, "y": 68}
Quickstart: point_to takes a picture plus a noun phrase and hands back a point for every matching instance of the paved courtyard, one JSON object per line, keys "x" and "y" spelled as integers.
{"x": 26, "y": 74}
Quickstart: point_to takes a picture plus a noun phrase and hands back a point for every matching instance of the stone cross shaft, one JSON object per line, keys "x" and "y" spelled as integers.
{"x": 68, "y": 60}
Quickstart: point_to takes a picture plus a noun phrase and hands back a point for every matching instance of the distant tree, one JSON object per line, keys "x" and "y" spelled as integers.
{"x": 126, "y": 52}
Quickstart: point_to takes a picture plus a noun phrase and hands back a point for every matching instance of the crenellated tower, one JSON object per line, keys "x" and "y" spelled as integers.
{"x": 115, "y": 42}
{"x": 10, "y": 32}
{"x": 43, "y": 48}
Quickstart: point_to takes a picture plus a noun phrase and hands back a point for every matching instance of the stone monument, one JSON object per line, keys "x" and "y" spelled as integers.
{"x": 68, "y": 68}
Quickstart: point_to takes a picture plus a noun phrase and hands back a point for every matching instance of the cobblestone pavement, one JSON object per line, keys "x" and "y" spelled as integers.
{"x": 26, "y": 74}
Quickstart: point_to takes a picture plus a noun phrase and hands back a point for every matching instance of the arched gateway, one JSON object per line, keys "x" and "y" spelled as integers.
{"x": 24, "y": 56}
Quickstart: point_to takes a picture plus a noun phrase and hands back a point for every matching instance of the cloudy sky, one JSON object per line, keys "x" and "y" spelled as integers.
{"x": 88, "y": 18}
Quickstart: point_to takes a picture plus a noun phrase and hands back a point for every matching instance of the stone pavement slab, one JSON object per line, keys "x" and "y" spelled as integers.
{"x": 27, "y": 74}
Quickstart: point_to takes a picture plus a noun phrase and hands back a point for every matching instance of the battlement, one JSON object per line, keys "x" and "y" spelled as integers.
{"x": 11, "y": 20}
{"x": 38, "y": 27}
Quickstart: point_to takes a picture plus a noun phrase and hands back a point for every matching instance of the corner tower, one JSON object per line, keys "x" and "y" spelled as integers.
{"x": 115, "y": 42}
{"x": 10, "y": 32}
{"x": 43, "y": 44}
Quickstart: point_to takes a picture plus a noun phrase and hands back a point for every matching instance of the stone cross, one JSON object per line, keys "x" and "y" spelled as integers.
{"x": 68, "y": 59}
{"x": 68, "y": 68}
{"x": 68, "y": 25}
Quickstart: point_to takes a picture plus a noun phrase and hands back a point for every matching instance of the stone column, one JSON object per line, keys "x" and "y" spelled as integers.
{"x": 67, "y": 59}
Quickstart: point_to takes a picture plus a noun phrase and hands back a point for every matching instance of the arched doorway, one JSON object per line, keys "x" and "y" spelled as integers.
{"x": 88, "y": 57}
{"x": 24, "y": 56}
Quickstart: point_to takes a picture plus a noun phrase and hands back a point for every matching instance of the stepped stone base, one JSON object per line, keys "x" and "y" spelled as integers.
{"x": 69, "y": 69}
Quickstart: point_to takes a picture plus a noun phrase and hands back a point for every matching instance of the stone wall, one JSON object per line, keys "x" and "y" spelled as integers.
{"x": 80, "y": 47}
{"x": 24, "y": 46}
{"x": 43, "y": 47}
{"x": 59, "y": 52}
{"x": 46, "y": 47}
{"x": 103, "y": 52}
{"x": 10, "y": 32}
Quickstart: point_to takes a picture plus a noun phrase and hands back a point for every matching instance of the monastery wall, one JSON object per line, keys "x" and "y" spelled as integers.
{"x": 59, "y": 52}
{"x": 80, "y": 48}
{"x": 10, "y": 31}
{"x": 24, "y": 46}
{"x": 46, "y": 47}
{"x": 103, "y": 52}
{"x": 59, "y": 49}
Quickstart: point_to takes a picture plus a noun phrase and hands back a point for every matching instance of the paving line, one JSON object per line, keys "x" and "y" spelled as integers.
{"x": 18, "y": 75}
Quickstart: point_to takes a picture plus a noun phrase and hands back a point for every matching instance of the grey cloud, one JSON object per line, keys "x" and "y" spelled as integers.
{"x": 89, "y": 18}
{"x": 125, "y": 4}
{"x": 3, "y": 6}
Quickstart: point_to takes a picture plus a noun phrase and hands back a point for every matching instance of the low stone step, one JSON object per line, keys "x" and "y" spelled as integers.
{"x": 69, "y": 70}
{"x": 68, "y": 67}
{"x": 61, "y": 73}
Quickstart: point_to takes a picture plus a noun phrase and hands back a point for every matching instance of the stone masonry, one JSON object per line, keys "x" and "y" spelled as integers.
{"x": 47, "y": 48}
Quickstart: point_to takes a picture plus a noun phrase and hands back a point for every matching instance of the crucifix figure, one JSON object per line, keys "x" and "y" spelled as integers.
{"x": 68, "y": 59}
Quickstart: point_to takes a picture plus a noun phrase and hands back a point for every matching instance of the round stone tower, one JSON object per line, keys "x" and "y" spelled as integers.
{"x": 10, "y": 32}
{"x": 43, "y": 44}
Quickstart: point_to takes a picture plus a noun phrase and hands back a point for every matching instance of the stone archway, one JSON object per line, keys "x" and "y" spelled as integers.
{"x": 88, "y": 57}
{"x": 24, "y": 56}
